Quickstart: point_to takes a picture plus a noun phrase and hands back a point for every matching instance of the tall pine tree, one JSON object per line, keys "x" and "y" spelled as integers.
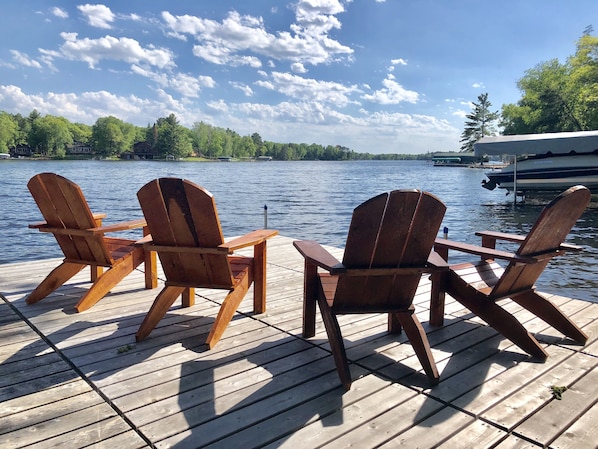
{"x": 480, "y": 122}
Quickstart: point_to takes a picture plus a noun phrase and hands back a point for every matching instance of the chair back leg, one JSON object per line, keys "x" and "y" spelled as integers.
{"x": 551, "y": 314}
{"x": 57, "y": 277}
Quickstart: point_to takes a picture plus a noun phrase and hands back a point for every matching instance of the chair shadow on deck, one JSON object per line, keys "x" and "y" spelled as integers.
{"x": 464, "y": 367}
{"x": 267, "y": 366}
{"x": 468, "y": 369}
{"x": 273, "y": 393}
{"x": 72, "y": 291}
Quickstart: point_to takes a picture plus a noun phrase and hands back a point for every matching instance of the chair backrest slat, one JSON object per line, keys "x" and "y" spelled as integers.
{"x": 63, "y": 205}
{"x": 391, "y": 230}
{"x": 181, "y": 213}
{"x": 548, "y": 233}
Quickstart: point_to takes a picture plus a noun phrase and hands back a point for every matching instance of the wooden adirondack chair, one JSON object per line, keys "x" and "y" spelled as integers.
{"x": 388, "y": 248}
{"x": 82, "y": 239}
{"x": 479, "y": 285}
{"x": 186, "y": 234}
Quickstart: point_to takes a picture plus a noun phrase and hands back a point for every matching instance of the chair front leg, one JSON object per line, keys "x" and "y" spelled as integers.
{"x": 310, "y": 293}
{"x": 150, "y": 265}
{"x": 259, "y": 278}
{"x": 96, "y": 272}
{"x": 437, "y": 297}
{"x": 394, "y": 324}
{"x": 188, "y": 297}
{"x": 438, "y": 279}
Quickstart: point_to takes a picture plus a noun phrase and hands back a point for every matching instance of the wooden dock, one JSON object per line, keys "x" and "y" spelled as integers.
{"x": 79, "y": 379}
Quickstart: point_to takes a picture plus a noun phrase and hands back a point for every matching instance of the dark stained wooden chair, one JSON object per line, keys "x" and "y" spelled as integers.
{"x": 388, "y": 248}
{"x": 479, "y": 285}
{"x": 187, "y": 236}
{"x": 82, "y": 239}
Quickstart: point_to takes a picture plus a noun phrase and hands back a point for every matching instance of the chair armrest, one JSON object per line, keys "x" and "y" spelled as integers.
{"x": 436, "y": 262}
{"x": 101, "y": 230}
{"x": 146, "y": 240}
{"x": 40, "y": 224}
{"x": 251, "y": 239}
{"x": 98, "y": 218}
{"x": 488, "y": 253}
{"x": 515, "y": 238}
{"x": 315, "y": 254}
{"x": 123, "y": 226}
{"x": 501, "y": 236}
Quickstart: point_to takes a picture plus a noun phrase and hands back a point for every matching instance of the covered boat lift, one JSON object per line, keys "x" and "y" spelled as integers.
{"x": 557, "y": 144}
{"x": 526, "y": 144}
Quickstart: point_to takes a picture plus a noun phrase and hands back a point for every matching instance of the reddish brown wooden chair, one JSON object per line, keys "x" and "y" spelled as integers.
{"x": 82, "y": 239}
{"x": 186, "y": 234}
{"x": 388, "y": 248}
{"x": 480, "y": 284}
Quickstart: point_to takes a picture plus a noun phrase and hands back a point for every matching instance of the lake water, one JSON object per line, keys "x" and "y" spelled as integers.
{"x": 305, "y": 200}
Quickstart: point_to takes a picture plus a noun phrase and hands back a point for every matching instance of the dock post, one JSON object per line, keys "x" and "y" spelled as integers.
{"x": 265, "y": 216}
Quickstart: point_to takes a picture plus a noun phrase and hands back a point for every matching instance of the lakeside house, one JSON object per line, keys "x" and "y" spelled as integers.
{"x": 141, "y": 150}
{"x": 79, "y": 148}
{"x": 21, "y": 151}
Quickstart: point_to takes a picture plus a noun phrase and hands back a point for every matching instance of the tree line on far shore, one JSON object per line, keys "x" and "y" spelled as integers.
{"x": 51, "y": 136}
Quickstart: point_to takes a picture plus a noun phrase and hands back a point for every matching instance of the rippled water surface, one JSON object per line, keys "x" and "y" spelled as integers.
{"x": 305, "y": 200}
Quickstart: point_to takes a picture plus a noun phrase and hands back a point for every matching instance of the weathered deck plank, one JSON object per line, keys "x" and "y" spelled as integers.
{"x": 88, "y": 383}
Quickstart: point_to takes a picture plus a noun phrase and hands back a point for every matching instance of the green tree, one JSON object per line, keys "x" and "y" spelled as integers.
{"x": 247, "y": 147}
{"x": 111, "y": 136}
{"x": 201, "y": 137}
{"x": 172, "y": 138}
{"x": 23, "y": 129}
{"x": 480, "y": 122}
{"x": 583, "y": 79}
{"x": 107, "y": 136}
{"x": 8, "y": 132}
{"x": 259, "y": 144}
{"x": 32, "y": 137}
{"x": 216, "y": 143}
{"x": 558, "y": 97}
{"x": 231, "y": 146}
{"x": 151, "y": 135}
{"x": 80, "y": 132}
{"x": 51, "y": 135}
{"x": 314, "y": 152}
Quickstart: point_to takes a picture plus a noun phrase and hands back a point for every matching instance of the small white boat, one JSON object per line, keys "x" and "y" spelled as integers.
{"x": 543, "y": 162}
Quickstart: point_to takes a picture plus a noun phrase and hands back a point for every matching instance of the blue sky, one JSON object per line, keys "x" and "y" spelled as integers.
{"x": 375, "y": 76}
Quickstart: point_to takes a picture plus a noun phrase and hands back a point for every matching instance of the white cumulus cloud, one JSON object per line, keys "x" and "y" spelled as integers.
{"x": 108, "y": 47}
{"x": 25, "y": 60}
{"x": 99, "y": 16}
{"x": 392, "y": 93}
{"x": 59, "y": 12}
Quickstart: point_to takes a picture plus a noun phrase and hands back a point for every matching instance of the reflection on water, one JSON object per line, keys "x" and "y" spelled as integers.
{"x": 305, "y": 200}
